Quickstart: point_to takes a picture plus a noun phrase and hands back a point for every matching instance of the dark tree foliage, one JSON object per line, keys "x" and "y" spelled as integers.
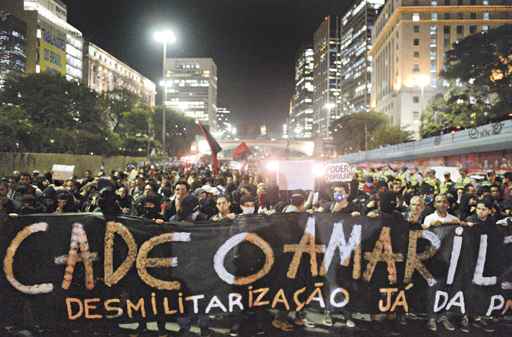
{"x": 366, "y": 130}
{"x": 479, "y": 72}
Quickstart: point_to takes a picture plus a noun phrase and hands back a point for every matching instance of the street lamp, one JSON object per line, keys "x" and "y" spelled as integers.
{"x": 164, "y": 37}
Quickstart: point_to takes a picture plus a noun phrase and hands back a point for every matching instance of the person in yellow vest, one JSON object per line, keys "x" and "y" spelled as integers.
{"x": 447, "y": 185}
{"x": 464, "y": 179}
{"x": 430, "y": 178}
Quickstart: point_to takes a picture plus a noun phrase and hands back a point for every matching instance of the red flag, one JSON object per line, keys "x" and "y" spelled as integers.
{"x": 242, "y": 151}
{"x": 214, "y": 147}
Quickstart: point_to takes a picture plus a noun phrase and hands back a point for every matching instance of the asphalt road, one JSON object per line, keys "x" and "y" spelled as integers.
{"x": 221, "y": 328}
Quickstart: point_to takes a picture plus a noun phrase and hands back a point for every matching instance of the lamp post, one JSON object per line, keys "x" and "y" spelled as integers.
{"x": 164, "y": 37}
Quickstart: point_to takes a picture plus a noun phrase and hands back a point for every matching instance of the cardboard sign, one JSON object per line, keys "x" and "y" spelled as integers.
{"x": 62, "y": 172}
{"x": 296, "y": 175}
{"x": 338, "y": 172}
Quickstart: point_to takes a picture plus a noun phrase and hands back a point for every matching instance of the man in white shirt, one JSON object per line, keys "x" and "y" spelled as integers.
{"x": 440, "y": 216}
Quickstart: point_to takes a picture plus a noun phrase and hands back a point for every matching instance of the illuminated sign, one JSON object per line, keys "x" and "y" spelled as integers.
{"x": 52, "y": 51}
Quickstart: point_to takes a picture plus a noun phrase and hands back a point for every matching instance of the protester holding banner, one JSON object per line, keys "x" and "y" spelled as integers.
{"x": 371, "y": 198}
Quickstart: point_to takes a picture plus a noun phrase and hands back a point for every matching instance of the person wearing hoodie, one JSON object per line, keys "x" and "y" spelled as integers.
{"x": 65, "y": 202}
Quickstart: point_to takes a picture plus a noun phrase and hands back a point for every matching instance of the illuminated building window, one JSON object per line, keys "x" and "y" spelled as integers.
{"x": 416, "y": 17}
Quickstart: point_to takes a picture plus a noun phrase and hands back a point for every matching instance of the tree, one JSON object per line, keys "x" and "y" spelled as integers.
{"x": 366, "y": 130}
{"x": 116, "y": 104}
{"x": 61, "y": 113}
{"x": 459, "y": 108}
{"x": 484, "y": 61}
{"x": 180, "y": 130}
{"x": 389, "y": 135}
{"x": 15, "y": 129}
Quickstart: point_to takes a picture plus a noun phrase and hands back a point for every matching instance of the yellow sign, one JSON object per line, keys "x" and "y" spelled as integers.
{"x": 52, "y": 52}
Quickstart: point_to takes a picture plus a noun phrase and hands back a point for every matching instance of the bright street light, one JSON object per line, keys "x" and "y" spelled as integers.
{"x": 164, "y": 37}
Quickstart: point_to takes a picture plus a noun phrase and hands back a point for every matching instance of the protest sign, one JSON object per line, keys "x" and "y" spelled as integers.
{"x": 62, "y": 172}
{"x": 338, "y": 172}
{"x": 295, "y": 175}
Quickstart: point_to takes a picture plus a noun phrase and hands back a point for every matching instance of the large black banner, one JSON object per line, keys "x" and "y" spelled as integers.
{"x": 81, "y": 267}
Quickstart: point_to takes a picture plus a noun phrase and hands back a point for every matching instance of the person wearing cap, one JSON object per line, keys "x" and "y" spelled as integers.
{"x": 297, "y": 204}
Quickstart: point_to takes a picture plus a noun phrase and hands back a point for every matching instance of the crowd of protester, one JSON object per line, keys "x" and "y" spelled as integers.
{"x": 194, "y": 194}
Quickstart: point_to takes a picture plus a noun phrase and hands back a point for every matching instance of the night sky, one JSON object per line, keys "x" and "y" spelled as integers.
{"x": 253, "y": 42}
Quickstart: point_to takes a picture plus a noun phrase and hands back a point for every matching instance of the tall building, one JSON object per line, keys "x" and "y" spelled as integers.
{"x": 301, "y": 114}
{"x": 53, "y": 45}
{"x": 224, "y": 124}
{"x": 326, "y": 76}
{"x": 410, "y": 39}
{"x": 191, "y": 88}
{"x": 12, "y": 46}
{"x": 103, "y": 72}
{"x": 356, "y": 63}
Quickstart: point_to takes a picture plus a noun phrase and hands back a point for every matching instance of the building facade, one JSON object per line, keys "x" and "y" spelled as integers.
{"x": 103, "y": 73}
{"x": 224, "y": 126}
{"x": 53, "y": 45}
{"x": 326, "y": 76}
{"x": 300, "y": 122}
{"x": 12, "y": 46}
{"x": 410, "y": 40}
{"x": 191, "y": 88}
{"x": 356, "y": 63}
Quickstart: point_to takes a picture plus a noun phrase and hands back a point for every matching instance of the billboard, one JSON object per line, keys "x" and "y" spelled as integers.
{"x": 52, "y": 51}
